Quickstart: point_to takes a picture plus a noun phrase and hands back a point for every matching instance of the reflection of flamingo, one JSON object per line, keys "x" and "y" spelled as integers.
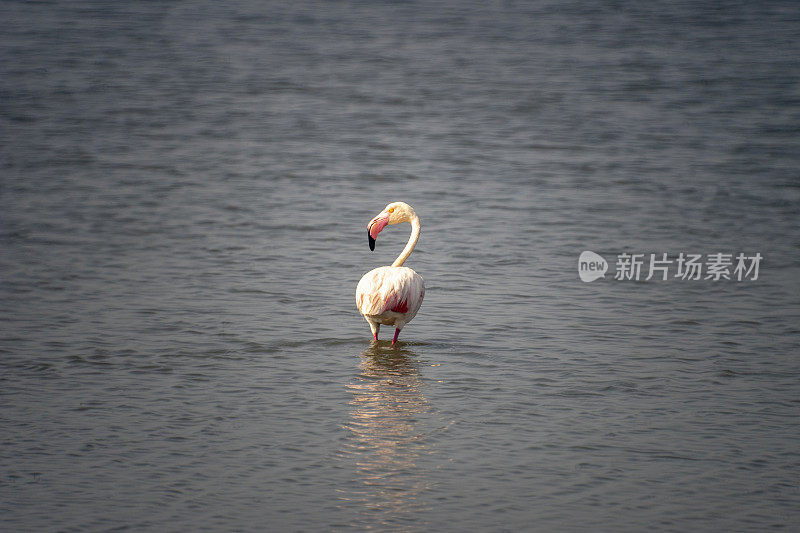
{"x": 391, "y": 295}
{"x": 389, "y": 438}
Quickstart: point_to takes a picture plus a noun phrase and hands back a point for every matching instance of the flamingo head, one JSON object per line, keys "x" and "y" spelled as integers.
{"x": 394, "y": 213}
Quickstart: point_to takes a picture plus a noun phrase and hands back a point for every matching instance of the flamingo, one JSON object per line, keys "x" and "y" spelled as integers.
{"x": 391, "y": 295}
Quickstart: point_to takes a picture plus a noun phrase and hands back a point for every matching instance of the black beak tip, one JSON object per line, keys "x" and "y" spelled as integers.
{"x": 371, "y": 241}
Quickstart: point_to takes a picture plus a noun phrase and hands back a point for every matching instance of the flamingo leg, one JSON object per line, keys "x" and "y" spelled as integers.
{"x": 396, "y": 333}
{"x": 374, "y": 327}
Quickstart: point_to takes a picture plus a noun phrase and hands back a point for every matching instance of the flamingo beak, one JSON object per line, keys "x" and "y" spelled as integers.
{"x": 375, "y": 226}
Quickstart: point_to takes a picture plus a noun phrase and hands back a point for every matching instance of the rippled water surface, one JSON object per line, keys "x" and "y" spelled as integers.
{"x": 184, "y": 190}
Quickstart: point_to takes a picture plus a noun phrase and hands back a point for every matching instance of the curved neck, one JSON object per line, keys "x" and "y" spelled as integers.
{"x": 412, "y": 241}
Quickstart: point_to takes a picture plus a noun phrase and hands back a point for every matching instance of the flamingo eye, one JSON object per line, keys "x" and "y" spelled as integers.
{"x": 391, "y": 210}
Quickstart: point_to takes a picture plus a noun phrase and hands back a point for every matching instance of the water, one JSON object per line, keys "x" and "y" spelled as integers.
{"x": 185, "y": 189}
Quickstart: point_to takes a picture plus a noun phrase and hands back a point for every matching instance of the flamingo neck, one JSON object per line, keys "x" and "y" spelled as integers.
{"x": 412, "y": 241}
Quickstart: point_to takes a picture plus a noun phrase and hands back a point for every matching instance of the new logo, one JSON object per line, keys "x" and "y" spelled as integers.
{"x": 591, "y": 266}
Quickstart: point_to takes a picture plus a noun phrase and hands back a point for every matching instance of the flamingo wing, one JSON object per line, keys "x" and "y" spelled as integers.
{"x": 397, "y": 289}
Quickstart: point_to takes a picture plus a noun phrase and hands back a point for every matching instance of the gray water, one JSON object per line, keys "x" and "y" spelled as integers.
{"x": 184, "y": 193}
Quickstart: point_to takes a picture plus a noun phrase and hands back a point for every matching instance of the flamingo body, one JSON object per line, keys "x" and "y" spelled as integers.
{"x": 391, "y": 295}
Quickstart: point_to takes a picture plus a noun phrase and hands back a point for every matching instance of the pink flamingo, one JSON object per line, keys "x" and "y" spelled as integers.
{"x": 391, "y": 295}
